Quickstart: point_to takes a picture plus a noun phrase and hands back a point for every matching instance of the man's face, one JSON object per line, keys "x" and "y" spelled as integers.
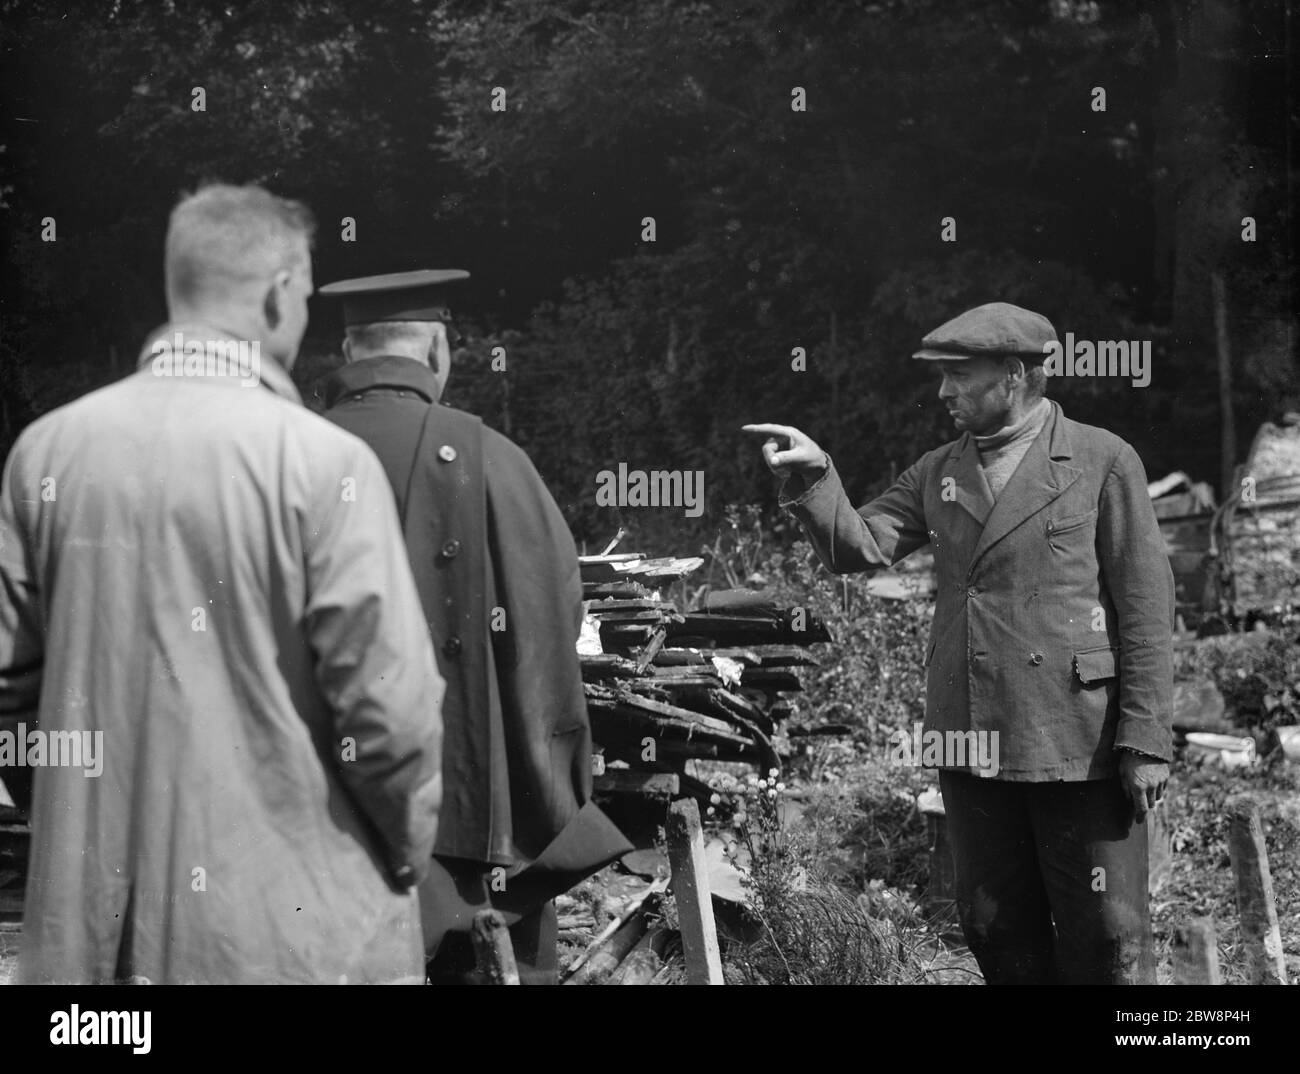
{"x": 976, "y": 392}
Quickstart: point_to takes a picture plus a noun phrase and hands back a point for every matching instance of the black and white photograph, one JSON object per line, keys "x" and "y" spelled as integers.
{"x": 650, "y": 492}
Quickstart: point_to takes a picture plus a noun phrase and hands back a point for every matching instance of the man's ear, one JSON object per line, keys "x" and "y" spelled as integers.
{"x": 440, "y": 352}
{"x": 272, "y": 301}
{"x": 347, "y": 349}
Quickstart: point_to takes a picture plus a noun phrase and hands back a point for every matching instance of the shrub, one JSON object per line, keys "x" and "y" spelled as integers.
{"x": 1258, "y": 674}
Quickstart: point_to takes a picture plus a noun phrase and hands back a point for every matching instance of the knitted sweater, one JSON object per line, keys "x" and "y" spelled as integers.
{"x": 1001, "y": 452}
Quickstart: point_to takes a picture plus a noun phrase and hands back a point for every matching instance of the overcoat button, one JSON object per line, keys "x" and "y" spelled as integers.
{"x": 451, "y": 549}
{"x": 452, "y": 646}
{"x": 972, "y": 591}
{"x": 447, "y": 453}
{"x": 1035, "y": 658}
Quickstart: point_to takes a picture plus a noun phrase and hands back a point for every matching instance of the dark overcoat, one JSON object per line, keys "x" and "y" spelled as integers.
{"x": 497, "y": 573}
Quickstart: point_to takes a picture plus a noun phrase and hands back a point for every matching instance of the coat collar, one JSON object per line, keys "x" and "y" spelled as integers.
{"x": 1039, "y": 479}
{"x": 387, "y": 371}
{"x": 268, "y": 372}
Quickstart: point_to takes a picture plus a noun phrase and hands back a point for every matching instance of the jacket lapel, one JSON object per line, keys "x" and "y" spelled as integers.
{"x": 1039, "y": 479}
{"x": 970, "y": 486}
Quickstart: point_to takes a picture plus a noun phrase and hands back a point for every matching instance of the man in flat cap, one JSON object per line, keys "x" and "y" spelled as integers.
{"x": 498, "y": 577}
{"x": 1051, "y": 644}
{"x": 203, "y": 591}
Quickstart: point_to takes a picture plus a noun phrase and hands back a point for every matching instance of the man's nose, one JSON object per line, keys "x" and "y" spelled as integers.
{"x": 947, "y": 390}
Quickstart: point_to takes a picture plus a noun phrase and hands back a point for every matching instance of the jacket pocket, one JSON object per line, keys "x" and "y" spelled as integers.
{"x": 1096, "y": 665}
{"x": 929, "y": 654}
{"x": 1070, "y": 522}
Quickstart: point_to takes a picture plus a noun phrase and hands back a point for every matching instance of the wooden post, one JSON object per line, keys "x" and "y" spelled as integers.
{"x": 1196, "y": 953}
{"x": 1255, "y": 903}
{"x": 691, "y": 891}
{"x": 492, "y": 948}
{"x": 1227, "y": 416}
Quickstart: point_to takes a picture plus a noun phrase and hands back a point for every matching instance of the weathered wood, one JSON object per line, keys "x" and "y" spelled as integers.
{"x": 492, "y": 949}
{"x": 605, "y": 958}
{"x": 578, "y": 973}
{"x": 1196, "y": 953}
{"x": 643, "y": 961}
{"x": 1255, "y": 902}
{"x": 691, "y": 891}
{"x": 659, "y": 785}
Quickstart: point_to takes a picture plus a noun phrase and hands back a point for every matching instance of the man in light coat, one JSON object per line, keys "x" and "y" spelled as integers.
{"x": 1051, "y": 649}
{"x": 205, "y": 584}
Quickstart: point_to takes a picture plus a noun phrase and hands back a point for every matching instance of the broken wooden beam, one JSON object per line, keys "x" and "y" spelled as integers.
{"x": 1256, "y": 907}
{"x": 691, "y": 892}
{"x": 1196, "y": 953}
{"x": 492, "y": 948}
{"x": 663, "y": 786}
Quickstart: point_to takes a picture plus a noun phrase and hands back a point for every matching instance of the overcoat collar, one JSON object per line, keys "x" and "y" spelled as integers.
{"x": 269, "y": 373}
{"x": 1043, "y": 474}
{"x": 386, "y": 371}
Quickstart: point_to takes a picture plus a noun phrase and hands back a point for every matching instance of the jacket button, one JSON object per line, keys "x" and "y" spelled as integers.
{"x": 447, "y": 453}
{"x": 451, "y": 646}
{"x": 1035, "y": 658}
{"x": 451, "y": 549}
{"x": 972, "y": 590}
{"x": 405, "y": 876}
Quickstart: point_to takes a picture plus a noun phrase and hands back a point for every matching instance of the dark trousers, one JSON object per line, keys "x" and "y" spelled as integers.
{"x": 534, "y": 937}
{"x": 1051, "y": 880}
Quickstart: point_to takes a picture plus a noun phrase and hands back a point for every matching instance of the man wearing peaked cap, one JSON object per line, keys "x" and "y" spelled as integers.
{"x": 1049, "y": 668}
{"x": 497, "y": 573}
{"x": 996, "y": 329}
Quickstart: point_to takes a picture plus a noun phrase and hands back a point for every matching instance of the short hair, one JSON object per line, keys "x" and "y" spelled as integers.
{"x": 1035, "y": 374}
{"x": 1036, "y": 379}
{"x": 222, "y": 234}
{"x": 378, "y": 337}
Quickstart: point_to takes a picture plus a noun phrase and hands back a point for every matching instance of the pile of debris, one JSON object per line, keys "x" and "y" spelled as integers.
{"x": 706, "y": 683}
{"x": 1257, "y": 530}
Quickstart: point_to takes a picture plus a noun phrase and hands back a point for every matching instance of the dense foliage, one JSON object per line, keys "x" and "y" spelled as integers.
{"x": 776, "y": 228}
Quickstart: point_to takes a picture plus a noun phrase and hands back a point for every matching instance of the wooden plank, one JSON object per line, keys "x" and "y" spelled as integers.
{"x": 615, "y": 590}
{"x": 772, "y": 655}
{"x": 618, "y": 938}
{"x": 658, "y": 785}
{"x": 651, "y": 648}
{"x": 1196, "y": 953}
{"x": 691, "y": 892}
{"x": 643, "y": 961}
{"x": 492, "y": 949}
{"x": 631, "y": 604}
{"x": 643, "y": 704}
{"x": 623, "y": 721}
{"x": 1256, "y": 907}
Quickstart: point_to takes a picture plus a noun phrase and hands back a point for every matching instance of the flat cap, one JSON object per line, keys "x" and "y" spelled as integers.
{"x": 991, "y": 330}
{"x": 396, "y": 296}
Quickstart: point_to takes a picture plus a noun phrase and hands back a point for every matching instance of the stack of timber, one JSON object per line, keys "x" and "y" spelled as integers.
{"x": 707, "y": 683}
{"x": 1257, "y": 530}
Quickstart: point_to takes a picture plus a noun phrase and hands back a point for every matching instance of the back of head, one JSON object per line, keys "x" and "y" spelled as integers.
{"x": 225, "y": 240}
{"x": 406, "y": 339}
